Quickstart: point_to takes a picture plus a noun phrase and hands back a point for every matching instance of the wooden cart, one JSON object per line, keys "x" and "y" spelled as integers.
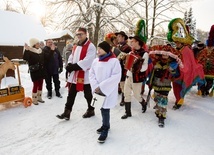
{"x": 15, "y": 93}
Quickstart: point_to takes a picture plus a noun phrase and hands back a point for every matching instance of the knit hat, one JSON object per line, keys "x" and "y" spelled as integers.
{"x": 105, "y": 46}
{"x": 33, "y": 41}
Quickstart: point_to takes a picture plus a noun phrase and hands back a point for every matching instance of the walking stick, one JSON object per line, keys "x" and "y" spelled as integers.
{"x": 148, "y": 97}
{"x": 212, "y": 92}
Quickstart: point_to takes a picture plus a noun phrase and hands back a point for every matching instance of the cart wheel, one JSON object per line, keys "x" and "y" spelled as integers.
{"x": 27, "y": 102}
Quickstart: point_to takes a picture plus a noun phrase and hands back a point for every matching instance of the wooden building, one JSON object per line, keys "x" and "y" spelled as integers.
{"x": 60, "y": 38}
{"x": 15, "y": 30}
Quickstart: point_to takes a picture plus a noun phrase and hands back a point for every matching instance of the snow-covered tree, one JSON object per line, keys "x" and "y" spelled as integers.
{"x": 190, "y": 23}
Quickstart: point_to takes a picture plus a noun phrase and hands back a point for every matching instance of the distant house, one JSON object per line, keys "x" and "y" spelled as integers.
{"x": 60, "y": 38}
{"x": 16, "y": 30}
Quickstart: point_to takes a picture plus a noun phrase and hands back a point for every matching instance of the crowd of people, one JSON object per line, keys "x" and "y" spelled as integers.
{"x": 120, "y": 66}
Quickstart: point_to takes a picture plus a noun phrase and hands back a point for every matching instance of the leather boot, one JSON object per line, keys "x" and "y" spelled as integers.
{"x": 127, "y": 110}
{"x": 39, "y": 96}
{"x": 88, "y": 113}
{"x": 122, "y": 103}
{"x": 65, "y": 115}
{"x": 144, "y": 106}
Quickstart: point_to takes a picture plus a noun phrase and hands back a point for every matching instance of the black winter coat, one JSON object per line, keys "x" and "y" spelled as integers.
{"x": 34, "y": 59}
{"x": 53, "y": 61}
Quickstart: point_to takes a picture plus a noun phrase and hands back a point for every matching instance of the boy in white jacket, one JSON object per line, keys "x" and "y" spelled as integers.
{"x": 104, "y": 76}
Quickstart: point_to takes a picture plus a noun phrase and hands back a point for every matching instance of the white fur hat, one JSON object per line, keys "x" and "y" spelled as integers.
{"x": 33, "y": 41}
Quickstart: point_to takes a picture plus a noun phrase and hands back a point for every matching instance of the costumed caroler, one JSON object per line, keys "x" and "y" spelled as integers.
{"x": 165, "y": 70}
{"x": 192, "y": 71}
{"x": 125, "y": 48}
{"x": 111, "y": 39}
{"x": 136, "y": 70}
{"x": 34, "y": 55}
{"x": 104, "y": 76}
{"x": 206, "y": 58}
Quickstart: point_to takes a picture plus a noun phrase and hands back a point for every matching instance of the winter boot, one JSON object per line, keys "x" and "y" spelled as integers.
{"x": 88, "y": 113}
{"x": 65, "y": 115}
{"x": 127, "y": 110}
{"x": 49, "y": 94}
{"x": 103, "y": 135}
{"x": 39, "y": 96}
{"x": 34, "y": 99}
{"x": 58, "y": 94}
{"x": 176, "y": 106}
{"x": 161, "y": 122}
{"x": 101, "y": 129}
{"x": 144, "y": 106}
{"x": 122, "y": 103}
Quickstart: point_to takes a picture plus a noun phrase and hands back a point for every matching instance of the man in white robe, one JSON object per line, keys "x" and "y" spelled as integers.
{"x": 79, "y": 63}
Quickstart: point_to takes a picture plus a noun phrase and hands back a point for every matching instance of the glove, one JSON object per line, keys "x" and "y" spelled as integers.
{"x": 60, "y": 70}
{"x": 72, "y": 67}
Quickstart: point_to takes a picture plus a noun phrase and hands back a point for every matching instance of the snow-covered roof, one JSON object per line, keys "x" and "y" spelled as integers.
{"x": 16, "y": 29}
{"x": 59, "y": 34}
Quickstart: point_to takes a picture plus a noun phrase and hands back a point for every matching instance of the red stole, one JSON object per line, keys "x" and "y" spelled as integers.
{"x": 81, "y": 73}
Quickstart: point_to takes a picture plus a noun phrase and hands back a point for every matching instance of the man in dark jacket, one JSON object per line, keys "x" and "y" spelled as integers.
{"x": 53, "y": 66}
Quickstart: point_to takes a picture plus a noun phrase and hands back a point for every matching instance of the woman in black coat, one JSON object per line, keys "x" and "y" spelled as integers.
{"x": 35, "y": 57}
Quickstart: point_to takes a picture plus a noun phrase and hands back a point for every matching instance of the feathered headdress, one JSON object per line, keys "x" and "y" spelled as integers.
{"x": 141, "y": 30}
{"x": 109, "y": 37}
{"x": 177, "y": 32}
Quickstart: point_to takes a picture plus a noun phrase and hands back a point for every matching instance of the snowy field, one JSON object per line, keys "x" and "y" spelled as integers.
{"x": 36, "y": 130}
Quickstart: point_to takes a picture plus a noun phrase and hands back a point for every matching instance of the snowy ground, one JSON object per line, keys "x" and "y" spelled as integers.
{"x": 36, "y": 130}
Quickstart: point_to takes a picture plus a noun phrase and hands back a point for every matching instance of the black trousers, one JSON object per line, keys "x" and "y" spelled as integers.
{"x": 72, "y": 95}
{"x": 48, "y": 80}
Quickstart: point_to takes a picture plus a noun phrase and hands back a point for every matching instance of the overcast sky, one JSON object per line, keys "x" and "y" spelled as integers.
{"x": 203, "y": 12}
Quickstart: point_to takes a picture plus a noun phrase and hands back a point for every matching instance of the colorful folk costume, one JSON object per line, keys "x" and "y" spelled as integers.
{"x": 136, "y": 65}
{"x": 111, "y": 39}
{"x": 206, "y": 58}
{"x": 192, "y": 71}
{"x": 125, "y": 49}
{"x": 165, "y": 70}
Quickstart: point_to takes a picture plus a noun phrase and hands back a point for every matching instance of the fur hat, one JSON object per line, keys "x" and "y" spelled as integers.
{"x": 105, "y": 46}
{"x": 33, "y": 41}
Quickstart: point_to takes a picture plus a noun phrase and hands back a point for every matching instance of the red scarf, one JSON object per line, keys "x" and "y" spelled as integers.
{"x": 81, "y": 73}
